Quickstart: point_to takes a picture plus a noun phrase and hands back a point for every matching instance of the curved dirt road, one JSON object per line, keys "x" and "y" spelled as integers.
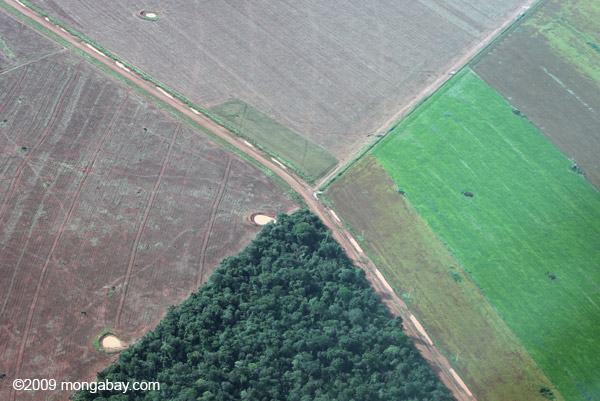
{"x": 396, "y": 306}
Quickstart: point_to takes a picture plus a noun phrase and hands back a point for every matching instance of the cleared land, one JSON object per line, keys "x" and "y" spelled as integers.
{"x": 110, "y": 211}
{"x": 527, "y": 231}
{"x": 20, "y": 46}
{"x": 549, "y": 68}
{"x": 331, "y": 71}
{"x": 460, "y": 320}
{"x": 304, "y": 156}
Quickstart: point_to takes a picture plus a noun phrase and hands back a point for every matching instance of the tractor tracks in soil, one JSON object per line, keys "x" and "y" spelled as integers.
{"x": 46, "y": 132}
{"x": 142, "y": 226}
{"x": 11, "y": 92}
{"x": 214, "y": 208}
{"x": 74, "y": 201}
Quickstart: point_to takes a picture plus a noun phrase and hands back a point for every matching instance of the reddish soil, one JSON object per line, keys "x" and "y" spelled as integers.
{"x": 110, "y": 211}
{"x": 396, "y": 305}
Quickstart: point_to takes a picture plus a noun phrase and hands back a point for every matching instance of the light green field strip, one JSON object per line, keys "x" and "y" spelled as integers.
{"x": 530, "y": 236}
{"x": 5, "y": 50}
{"x": 573, "y": 33}
{"x": 419, "y": 268}
{"x": 307, "y": 158}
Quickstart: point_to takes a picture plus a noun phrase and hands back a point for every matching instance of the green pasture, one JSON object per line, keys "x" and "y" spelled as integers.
{"x": 530, "y": 234}
{"x": 307, "y": 158}
{"x": 460, "y": 320}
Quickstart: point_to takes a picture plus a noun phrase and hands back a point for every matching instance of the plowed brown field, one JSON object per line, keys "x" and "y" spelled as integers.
{"x": 331, "y": 71}
{"x": 110, "y": 211}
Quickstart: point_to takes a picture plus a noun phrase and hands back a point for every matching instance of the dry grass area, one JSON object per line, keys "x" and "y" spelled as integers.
{"x": 110, "y": 211}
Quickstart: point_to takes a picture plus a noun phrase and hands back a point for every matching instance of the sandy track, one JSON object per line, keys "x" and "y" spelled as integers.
{"x": 214, "y": 208}
{"x": 396, "y": 306}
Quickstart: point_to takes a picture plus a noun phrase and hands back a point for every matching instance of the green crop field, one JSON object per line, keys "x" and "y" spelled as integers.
{"x": 530, "y": 234}
{"x": 461, "y": 321}
{"x": 305, "y": 157}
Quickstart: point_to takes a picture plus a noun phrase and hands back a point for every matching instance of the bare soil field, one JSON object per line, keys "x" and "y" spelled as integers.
{"x": 331, "y": 71}
{"x": 420, "y": 269}
{"x": 110, "y": 211}
{"x": 19, "y": 46}
{"x": 555, "y": 84}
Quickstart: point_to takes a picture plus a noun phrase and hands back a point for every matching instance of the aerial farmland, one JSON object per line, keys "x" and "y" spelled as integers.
{"x": 111, "y": 210}
{"x": 432, "y": 282}
{"x": 445, "y": 156}
{"x": 518, "y": 220}
{"x": 333, "y": 73}
{"x": 549, "y": 69}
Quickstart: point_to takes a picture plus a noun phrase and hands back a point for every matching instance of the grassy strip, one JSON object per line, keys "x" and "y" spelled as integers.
{"x": 528, "y": 233}
{"x": 212, "y": 116}
{"x": 302, "y": 154}
{"x": 155, "y": 100}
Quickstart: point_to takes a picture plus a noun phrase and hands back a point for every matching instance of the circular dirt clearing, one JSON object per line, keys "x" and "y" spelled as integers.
{"x": 110, "y": 343}
{"x": 262, "y": 219}
{"x": 148, "y": 15}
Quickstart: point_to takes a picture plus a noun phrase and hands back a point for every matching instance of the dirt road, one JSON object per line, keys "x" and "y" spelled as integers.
{"x": 397, "y": 307}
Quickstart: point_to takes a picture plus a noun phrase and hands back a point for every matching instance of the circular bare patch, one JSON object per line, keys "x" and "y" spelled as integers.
{"x": 148, "y": 15}
{"x": 111, "y": 343}
{"x": 262, "y": 219}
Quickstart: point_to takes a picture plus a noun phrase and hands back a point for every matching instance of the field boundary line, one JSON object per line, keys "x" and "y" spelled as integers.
{"x": 99, "y": 50}
{"x": 456, "y": 67}
{"x": 126, "y": 76}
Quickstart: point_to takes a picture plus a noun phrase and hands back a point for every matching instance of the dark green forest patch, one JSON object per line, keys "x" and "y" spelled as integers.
{"x": 289, "y": 318}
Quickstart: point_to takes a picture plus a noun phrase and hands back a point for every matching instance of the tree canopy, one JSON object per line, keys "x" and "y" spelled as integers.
{"x": 289, "y": 318}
